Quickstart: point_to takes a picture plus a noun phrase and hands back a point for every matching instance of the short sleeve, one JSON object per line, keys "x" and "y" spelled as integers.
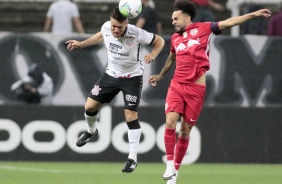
{"x": 105, "y": 27}
{"x": 215, "y": 29}
{"x": 50, "y": 11}
{"x": 75, "y": 12}
{"x": 145, "y": 37}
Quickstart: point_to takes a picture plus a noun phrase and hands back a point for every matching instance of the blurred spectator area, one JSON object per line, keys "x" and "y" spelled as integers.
{"x": 165, "y": 8}
{"x": 29, "y": 15}
{"x": 239, "y": 7}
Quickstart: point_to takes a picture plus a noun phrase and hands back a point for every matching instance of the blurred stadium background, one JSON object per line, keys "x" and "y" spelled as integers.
{"x": 29, "y": 15}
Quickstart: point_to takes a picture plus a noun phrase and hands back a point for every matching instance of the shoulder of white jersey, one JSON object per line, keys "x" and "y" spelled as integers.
{"x": 106, "y": 27}
{"x": 133, "y": 31}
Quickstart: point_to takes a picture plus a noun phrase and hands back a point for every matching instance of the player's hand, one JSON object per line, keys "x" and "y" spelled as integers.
{"x": 73, "y": 44}
{"x": 218, "y": 7}
{"x": 262, "y": 13}
{"x": 30, "y": 88}
{"x": 154, "y": 79}
{"x": 149, "y": 58}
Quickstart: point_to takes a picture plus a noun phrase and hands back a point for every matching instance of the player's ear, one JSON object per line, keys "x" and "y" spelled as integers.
{"x": 188, "y": 18}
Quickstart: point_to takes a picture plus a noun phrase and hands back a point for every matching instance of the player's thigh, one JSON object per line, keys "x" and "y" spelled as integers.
{"x": 174, "y": 100}
{"x": 105, "y": 89}
{"x": 131, "y": 88}
{"x": 194, "y": 101}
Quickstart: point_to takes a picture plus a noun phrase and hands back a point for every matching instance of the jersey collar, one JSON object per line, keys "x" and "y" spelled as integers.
{"x": 124, "y": 33}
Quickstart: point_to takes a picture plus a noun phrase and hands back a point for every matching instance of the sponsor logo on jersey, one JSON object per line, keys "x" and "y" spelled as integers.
{"x": 192, "y": 42}
{"x": 115, "y": 47}
{"x": 131, "y": 98}
{"x": 180, "y": 47}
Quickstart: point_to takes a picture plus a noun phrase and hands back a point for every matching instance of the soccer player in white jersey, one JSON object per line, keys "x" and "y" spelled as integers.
{"x": 123, "y": 73}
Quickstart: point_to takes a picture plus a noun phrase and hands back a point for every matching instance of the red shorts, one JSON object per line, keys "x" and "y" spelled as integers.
{"x": 185, "y": 99}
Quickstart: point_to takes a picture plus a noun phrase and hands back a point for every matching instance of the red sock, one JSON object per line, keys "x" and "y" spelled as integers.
{"x": 180, "y": 151}
{"x": 169, "y": 140}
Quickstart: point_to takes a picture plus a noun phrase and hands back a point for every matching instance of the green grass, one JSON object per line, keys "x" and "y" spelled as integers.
{"x": 145, "y": 173}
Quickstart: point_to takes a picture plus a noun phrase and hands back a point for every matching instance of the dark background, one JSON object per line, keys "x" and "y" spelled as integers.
{"x": 30, "y": 16}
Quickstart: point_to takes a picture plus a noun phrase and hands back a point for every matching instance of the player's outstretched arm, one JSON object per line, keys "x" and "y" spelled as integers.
{"x": 234, "y": 21}
{"x": 74, "y": 44}
{"x": 168, "y": 65}
{"x": 158, "y": 45}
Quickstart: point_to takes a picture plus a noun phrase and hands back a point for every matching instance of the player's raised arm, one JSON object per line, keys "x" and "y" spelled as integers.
{"x": 234, "y": 21}
{"x": 168, "y": 65}
{"x": 74, "y": 44}
{"x": 158, "y": 45}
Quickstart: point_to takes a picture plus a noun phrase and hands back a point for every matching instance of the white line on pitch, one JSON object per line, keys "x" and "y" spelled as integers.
{"x": 28, "y": 169}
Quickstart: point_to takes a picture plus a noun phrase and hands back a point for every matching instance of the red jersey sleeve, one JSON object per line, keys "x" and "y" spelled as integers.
{"x": 215, "y": 29}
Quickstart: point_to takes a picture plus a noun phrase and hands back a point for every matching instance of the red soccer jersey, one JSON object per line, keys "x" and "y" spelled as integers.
{"x": 192, "y": 51}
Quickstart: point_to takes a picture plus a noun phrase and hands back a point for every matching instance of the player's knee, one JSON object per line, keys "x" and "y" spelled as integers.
{"x": 184, "y": 134}
{"x": 90, "y": 108}
{"x": 170, "y": 124}
{"x": 130, "y": 115}
{"x": 92, "y": 105}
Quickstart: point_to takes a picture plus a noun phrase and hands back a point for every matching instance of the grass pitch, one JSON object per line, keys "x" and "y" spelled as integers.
{"x": 145, "y": 173}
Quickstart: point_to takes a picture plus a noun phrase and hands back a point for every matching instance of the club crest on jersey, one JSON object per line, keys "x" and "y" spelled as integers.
{"x": 95, "y": 91}
{"x": 129, "y": 41}
{"x": 193, "y": 32}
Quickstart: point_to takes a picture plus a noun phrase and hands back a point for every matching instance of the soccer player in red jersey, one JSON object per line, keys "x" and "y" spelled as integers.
{"x": 185, "y": 96}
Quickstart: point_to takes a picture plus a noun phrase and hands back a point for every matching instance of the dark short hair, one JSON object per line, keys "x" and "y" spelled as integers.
{"x": 186, "y": 7}
{"x": 115, "y": 14}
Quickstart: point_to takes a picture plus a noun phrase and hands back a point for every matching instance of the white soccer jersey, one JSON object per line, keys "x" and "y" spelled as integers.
{"x": 123, "y": 52}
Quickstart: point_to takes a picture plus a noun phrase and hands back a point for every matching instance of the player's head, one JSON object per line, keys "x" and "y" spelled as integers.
{"x": 118, "y": 23}
{"x": 183, "y": 14}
